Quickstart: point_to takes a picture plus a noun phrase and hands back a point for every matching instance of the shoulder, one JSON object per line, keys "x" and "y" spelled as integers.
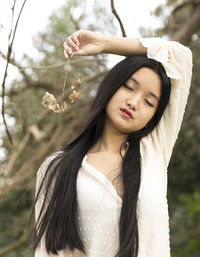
{"x": 45, "y": 164}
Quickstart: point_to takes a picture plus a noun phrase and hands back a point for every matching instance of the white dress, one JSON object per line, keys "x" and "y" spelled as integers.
{"x": 99, "y": 204}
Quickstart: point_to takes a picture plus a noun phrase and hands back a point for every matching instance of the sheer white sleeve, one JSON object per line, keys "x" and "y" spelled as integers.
{"x": 177, "y": 61}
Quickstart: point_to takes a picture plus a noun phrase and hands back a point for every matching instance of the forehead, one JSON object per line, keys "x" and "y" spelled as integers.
{"x": 147, "y": 79}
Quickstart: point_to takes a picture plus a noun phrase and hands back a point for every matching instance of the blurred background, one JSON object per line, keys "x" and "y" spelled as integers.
{"x": 37, "y": 65}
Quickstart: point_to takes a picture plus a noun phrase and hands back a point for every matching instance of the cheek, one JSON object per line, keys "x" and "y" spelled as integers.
{"x": 109, "y": 108}
{"x": 116, "y": 101}
{"x": 147, "y": 115}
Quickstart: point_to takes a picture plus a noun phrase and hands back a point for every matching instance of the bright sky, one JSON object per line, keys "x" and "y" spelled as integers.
{"x": 35, "y": 16}
{"x": 36, "y": 12}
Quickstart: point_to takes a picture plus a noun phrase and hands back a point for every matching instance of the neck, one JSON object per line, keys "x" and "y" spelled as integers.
{"x": 110, "y": 141}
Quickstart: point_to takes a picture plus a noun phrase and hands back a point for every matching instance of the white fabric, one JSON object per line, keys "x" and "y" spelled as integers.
{"x": 99, "y": 204}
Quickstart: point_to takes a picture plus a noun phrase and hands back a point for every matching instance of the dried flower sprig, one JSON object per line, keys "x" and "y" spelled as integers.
{"x": 50, "y": 101}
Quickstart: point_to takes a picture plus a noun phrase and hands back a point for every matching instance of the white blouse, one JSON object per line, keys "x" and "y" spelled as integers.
{"x": 99, "y": 205}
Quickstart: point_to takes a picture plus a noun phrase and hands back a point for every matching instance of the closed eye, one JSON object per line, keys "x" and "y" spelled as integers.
{"x": 125, "y": 85}
{"x": 148, "y": 103}
{"x": 130, "y": 88}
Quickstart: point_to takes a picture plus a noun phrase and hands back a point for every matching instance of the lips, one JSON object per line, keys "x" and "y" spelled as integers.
{"x": 127, "y": 112}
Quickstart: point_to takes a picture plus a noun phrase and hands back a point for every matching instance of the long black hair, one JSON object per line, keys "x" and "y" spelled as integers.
{"x": 58, "y": 218}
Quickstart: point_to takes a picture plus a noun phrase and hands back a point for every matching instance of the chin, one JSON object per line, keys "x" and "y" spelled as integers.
{"x": 126, "y": 131}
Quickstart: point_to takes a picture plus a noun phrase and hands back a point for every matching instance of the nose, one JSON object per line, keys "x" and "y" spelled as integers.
{"x": 133, "y": 102}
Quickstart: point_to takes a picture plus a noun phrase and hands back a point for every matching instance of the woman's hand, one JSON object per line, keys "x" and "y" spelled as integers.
{"x": 84, "y": 42}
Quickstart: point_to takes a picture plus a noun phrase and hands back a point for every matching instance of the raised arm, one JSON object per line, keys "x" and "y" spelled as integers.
{"x": 84, "y": 42}
{"x": 177, "y": 61}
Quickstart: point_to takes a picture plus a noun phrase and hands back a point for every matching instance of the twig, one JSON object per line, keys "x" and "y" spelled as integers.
{"x": 118, "y": 18}
{"x": 46, "y": 67}
{"x": 149, "y": 28}
{"x": 5, "y": 73}
{"x": 13, "y": 62}
{"x": 13, "y": 9}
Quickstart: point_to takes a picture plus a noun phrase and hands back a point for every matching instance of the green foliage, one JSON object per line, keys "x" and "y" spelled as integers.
{"x": 14, "y": 216}
{"x": 187, "y": 233}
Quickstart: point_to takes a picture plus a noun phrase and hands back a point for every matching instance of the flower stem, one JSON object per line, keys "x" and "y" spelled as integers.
{"x": 65, "y": 81}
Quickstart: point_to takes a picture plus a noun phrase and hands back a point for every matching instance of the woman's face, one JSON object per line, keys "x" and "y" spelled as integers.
{"x": 139, "y": 96}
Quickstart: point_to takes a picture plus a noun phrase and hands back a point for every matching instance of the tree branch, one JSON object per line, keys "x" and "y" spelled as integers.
{"x": 118, "y": 18}
{"x": 32, "y": 84}
{"x": 45, "y": 67}
{"x": 191, "y": 25}
{"x": 22, "y": 176}
{"x": 89, "y": 78}
{"x": 16, "y": 154}
{"x": 13, "y": 62}
{"x": 6, "y": 69}
{"x": 180, "y": 4}
{"x": 19, "y": 175}
{"x": 48, "y": 86}
{"x": 38, "y": 134}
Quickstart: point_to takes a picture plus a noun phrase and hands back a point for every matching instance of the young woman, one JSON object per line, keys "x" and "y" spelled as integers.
{"x": 104, "y": 194}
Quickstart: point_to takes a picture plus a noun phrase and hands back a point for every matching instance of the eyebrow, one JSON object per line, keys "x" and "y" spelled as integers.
{"x": 151, "y": 93}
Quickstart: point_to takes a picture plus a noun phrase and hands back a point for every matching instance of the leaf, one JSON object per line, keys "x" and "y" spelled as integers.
{"x": 73, "y": 96}
{"x": 48, "y": 100}
{"x": 76, "y": 84}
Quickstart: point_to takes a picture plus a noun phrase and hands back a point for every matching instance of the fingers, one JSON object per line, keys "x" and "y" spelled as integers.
{"x": 65, "y": 54}
{"x": 67, "y": 50}
{"x": 75, "y": 39}
{"x": 71, "y": 46}
{"x": 72, "y": 43}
